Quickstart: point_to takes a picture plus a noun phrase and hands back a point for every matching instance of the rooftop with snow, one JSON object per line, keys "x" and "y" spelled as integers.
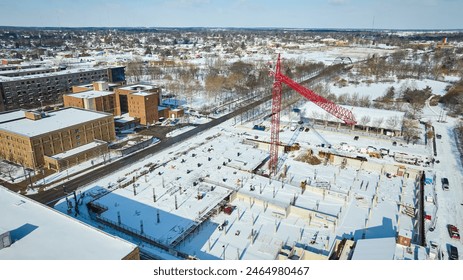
{"x": 143, "y": 93}
{"x": 51, "y": 74}
{"x": 52, "y": 121}
{"x": 138, "y": 87}
{"x": 91, "y": 94}
{"x": 41, "y": 233}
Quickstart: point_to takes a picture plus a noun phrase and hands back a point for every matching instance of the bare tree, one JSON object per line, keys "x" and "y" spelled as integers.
{"x": 377, "y": 122}
{"x": 415, "y": 110}
{"x": 155, "y": 72}
{"x": 398, "y": 56}
{"x": 134, "y": 70}
{"x": 389, "y": 95}
{"x": 343, "y": 99}
{"x": 410, "y": 131}
{"x": 392, "y": 122}
{"x": 213, "y": 85}
{"x": 364, "y": 121}
{"x": 9, "y": 169}
{"x": 354, "y": 99}
{"x": 365, "y": 101}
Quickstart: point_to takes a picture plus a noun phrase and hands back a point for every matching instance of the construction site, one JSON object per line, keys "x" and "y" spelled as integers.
{"x": 271, "y": 188}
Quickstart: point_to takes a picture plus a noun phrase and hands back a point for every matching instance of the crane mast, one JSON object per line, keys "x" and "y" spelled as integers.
{"x": 339, "y": 112}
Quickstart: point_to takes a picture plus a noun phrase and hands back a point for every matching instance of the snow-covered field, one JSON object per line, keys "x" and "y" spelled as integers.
{"x": 376, "y": 90}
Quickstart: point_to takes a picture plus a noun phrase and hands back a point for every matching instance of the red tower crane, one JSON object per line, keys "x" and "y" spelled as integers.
{"x": 339, "y": 112}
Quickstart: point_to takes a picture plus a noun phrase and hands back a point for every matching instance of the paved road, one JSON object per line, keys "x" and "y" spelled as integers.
{"x": 51, "y": 196}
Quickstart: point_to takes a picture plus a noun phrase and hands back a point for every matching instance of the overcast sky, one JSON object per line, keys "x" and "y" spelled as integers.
{"x": 383, "y": 14}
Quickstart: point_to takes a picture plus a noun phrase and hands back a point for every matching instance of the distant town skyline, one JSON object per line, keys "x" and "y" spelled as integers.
{"x": 355, "y": 14}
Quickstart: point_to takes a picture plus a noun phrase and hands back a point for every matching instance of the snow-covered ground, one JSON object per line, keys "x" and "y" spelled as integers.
{"x": 169, "y": 194}
{"x": 71, "y": 171}
{"x": 190, "y": 179}
{"x": 13, "y": 173}
{"x": 375, "y": 90}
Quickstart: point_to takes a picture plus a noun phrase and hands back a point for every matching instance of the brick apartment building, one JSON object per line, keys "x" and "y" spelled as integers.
{"x": 97, "y": 96}
{"x": 139, "y": 101}
{"x": 55, "y": 139}
{"x": 36, "y": 86}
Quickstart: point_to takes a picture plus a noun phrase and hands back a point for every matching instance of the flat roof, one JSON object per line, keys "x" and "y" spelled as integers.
{"x": 91, "y": 94}
{"x": 143, "y": 93}
{"x": 124, "y": 118}
{"x": 27, "y": 70}
{"x": 139, "y": 87}
{"x": 19, "y": 66}
{"x": 56, "y": 120}
{"x": 51, "y": 74}
{"x": 42, "y": 233}
{"x": 86, "y": 86}
{"x": 91, "y": 85}
{"x": 375, "y": 249}
{"x": 10, "y": 116}
{"x": 78, "y": 150}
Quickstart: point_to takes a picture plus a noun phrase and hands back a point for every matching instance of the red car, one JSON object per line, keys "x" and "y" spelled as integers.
{"x": 453, "y": 232}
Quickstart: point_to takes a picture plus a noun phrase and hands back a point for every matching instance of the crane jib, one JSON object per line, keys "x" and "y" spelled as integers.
{"x": 329, "y": 106}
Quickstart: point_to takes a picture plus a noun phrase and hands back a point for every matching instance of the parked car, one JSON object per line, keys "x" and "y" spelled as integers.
{"x": 453, "y": 231}
{"x": 259, "y": 127}
{"x": 453, "y": 252}
{"x": 434, "y": 250}
{"x": 445, "y": 184}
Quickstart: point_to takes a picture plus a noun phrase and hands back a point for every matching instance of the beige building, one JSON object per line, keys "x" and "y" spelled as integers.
{"x": 166, "y": 112}
{"x": 139, "y": 102}
{"x": 95, "y": 97}
{"x": 54, "y": 139}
